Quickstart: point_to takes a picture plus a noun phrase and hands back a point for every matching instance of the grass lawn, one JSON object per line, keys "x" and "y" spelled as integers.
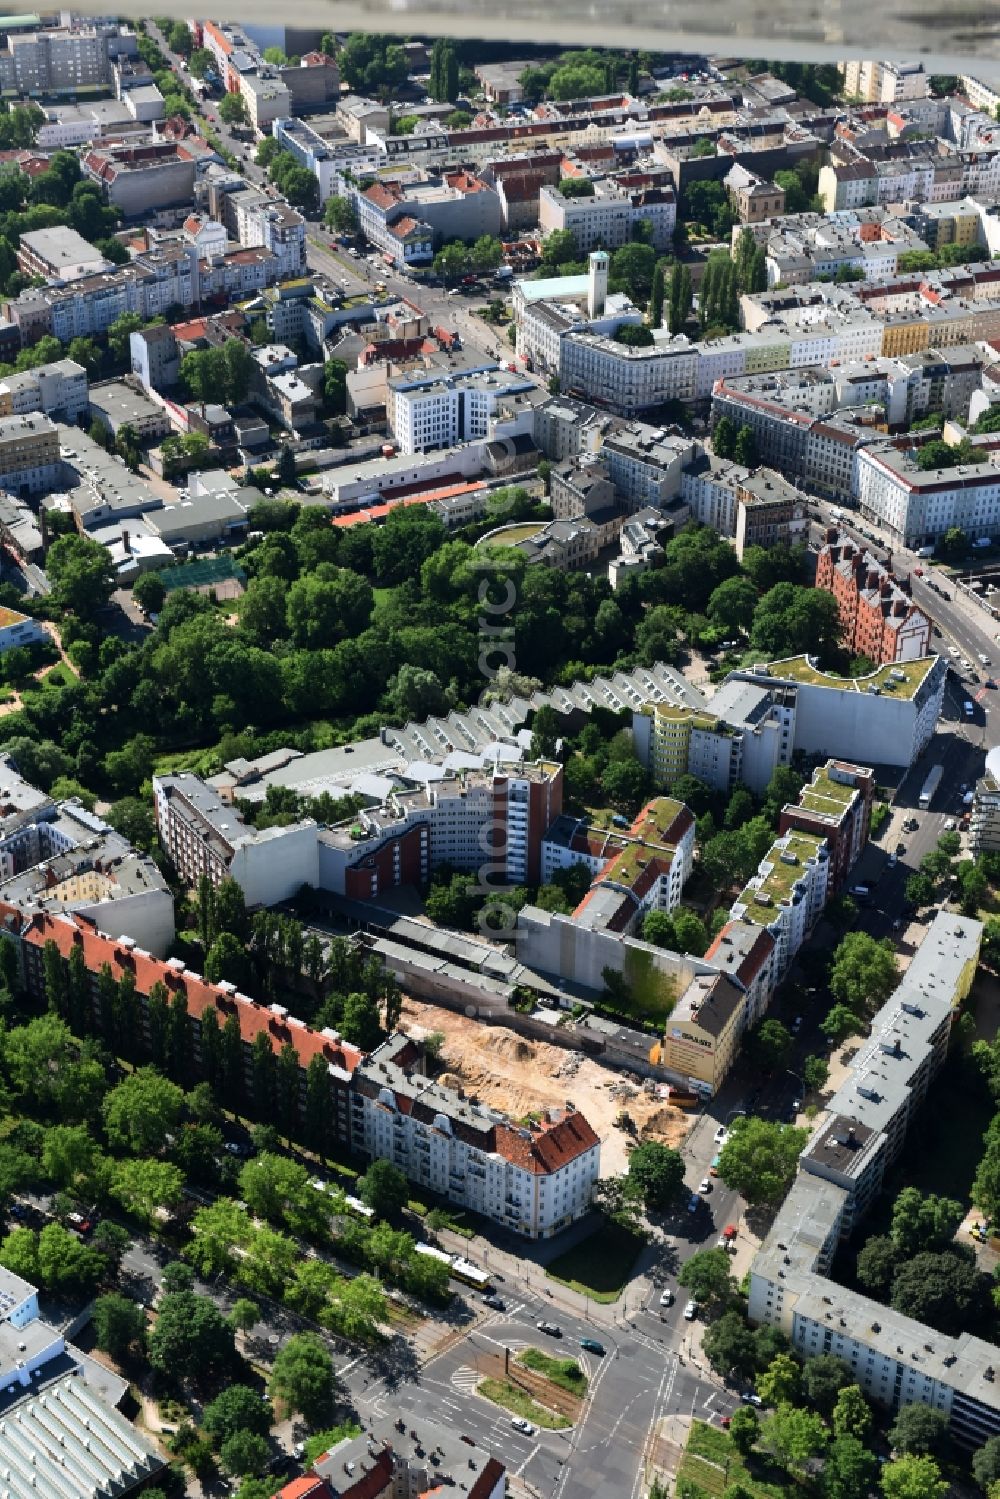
{"x": 599, "y": 1266}
{"x": 711, "y": 1463}
{"x": 502, "y": 1392}
{"x": 565, "y": 1372}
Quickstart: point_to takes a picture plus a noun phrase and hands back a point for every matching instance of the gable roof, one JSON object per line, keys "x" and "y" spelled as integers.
{"x": 254, "y": 1019}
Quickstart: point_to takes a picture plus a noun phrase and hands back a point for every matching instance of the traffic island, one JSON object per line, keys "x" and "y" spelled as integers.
{"x": 544, "y": 1390}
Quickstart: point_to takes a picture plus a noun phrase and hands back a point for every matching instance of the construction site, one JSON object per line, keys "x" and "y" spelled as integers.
{"x": 521, "y": 1077}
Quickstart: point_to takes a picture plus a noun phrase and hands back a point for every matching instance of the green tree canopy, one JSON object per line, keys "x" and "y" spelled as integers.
{"x": 759, "y": 1159}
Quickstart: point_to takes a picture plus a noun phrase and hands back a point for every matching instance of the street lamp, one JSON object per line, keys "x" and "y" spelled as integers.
{"x": 742, "y": 1113}
{"x": 800, "y": 1080}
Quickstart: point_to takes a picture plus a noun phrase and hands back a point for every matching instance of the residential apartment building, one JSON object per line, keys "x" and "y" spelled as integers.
{"x": 606, "y": 220}
{"x": 738, "y": 737}
{"x": 58, "y": 61}
{"x": 708, "y": 485}
{"x": 29, "y": 454}
{"x": 836, "y": 805}
{"x": 275, "y": 226}
{"x": 435, "y": 411}
{"x": 878, "y": 617}
{"x": 706, "y": 1027}
{"x": 641, "y": 869}
{"x": 122, "y": 954}
{"x": 884, "y": 82}
{"x": 18, "y": 630}
{"x": 917, "y": 505}
{"x": 769, "y": 512}
{"x": 202, "y": 835}
{"x": 492, "y": 815}
{"x": 534, "y": 1179}
{"x": 788, "y": 892}
{"x": 328, "y": 158}
{"x": 646, "y": 463}
{"x": 892, "y": 712}
{"x": 139, "y": 179}
{"x": 59, "y": 390}
{"x": 266, "y": 98}
{"x": 985, "y": 820}
{"x": 896, "y": 1360}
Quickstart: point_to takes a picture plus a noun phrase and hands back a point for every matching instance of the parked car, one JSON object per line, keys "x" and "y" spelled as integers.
{"x": 750, "y": 1397}
{"x": 721, "y": 1135}
{"x": 694, "y": 1202}
{"x": 705, "y": 1185}
{"x": 690, "y": 1311}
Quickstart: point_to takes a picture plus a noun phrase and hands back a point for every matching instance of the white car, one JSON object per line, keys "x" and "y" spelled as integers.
{"x": 953, "y": 650}
{"x": 705, "y": 1185}
{"x": 667, "y": 1297}
{"x": 721, "y": 1135}
{"x": 984, "y": 659}
{"x": 525, "y": 1427}
{"x": 950, "y": 825}
{"x": 690, "y": 1311}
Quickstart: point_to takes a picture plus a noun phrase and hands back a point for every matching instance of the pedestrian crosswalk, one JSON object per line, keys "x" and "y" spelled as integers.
{"x": 465, "y": 1379}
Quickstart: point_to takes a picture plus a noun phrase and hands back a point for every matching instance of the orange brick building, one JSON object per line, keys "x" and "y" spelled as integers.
{"x": 878, "y": 617}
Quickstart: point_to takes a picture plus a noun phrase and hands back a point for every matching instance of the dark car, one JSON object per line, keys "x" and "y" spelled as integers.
{"x": 593, "y": 1346}
{"x": 496, "y": 1302}
{"x": 551, "y": 1328}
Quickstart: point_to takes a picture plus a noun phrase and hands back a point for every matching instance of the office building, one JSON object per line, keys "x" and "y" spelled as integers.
{"x": 60, "y": 254}
{"x": 892, "y": 712}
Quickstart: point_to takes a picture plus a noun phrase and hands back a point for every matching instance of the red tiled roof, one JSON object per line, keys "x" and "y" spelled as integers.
{"x": 487, "y": 1480}
{"x": 309, "y": 1484}
{"x": 546, "y": 1147}
{"x": 379, "y": 512}
{"x": 383, "y": 195}
{"x": 404, "y": 227}
{"x": 254, "y": 1019}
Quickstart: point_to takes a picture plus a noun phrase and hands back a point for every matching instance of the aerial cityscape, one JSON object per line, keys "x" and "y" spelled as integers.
{"x": 499, "y": 777}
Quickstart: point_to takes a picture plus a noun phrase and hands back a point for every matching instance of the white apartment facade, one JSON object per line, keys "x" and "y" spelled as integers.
{"x": 919, "y": 505}
{"x": 533, "y": 1181}
{"x": 440, "y": 412}
{"x": 606, "y": 220}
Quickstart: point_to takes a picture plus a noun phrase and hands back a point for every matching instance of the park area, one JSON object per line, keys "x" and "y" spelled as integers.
{"x": 521, "y": 1077}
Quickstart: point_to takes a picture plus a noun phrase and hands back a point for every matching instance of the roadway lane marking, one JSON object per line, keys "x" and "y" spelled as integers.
{"x": 531, "y": 1455}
